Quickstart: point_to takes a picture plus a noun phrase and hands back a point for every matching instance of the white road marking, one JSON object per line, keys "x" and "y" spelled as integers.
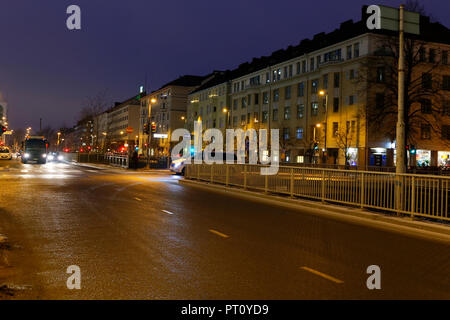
{"x": 323, "y": 275}
{"x": 138, "y": 199}
{"x": 167, "y": 211}
{"x": 220, "y": 234}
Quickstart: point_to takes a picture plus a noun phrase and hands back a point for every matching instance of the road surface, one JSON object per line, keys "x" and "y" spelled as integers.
{"x": 142, "y": 235}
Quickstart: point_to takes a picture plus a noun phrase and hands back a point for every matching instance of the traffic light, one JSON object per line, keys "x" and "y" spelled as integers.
{"x": 153, "y": 127}
{"x": 316, "y": 146}
{"x": 407, "y": 147}
{"x": 413, "y": 149}
{"x": 3, "y": 130}
{"x": 146, "y": 129}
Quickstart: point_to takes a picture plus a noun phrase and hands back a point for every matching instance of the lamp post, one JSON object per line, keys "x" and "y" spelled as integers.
{"x": 323, "y": 93}
{"x": 149, "y": 131}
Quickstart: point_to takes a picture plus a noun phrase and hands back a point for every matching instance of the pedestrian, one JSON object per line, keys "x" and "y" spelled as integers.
{"x": 134, "y": 160}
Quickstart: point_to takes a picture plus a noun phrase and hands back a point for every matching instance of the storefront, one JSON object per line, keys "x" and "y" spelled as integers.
{"x": 352, "y": 154}
{"x": 443, "y": 159}
{"x": 377, "y": 157}
{"x": 423, "y": 158}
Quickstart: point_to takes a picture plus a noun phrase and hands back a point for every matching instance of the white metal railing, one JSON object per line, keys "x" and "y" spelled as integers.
{"x": 117, "y": 160}
{"x": 414, "y": 195}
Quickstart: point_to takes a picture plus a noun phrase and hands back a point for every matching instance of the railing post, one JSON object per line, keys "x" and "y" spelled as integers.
{"x": 362, "y": 195}
{"x": 227, "y": 173}
{"x": 266, "y": 184}
{"x": 212, "y": 171}
{"x": 245, "y": 177}
{"x": 291, "y": 188}
{"x": 413, "y": 196}
{"x": 323, "y": 185}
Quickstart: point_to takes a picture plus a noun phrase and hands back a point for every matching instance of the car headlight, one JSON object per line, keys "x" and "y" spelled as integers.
{"x": 26, "y": 155}
{"x": 176, "y": 165}
{"x": 60, "y": 158}
{"x": 50, "y": 157}
{"x": 44, "y": 156}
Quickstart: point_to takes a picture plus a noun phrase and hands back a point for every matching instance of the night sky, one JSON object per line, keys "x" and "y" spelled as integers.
{"x": 48, "y": 71}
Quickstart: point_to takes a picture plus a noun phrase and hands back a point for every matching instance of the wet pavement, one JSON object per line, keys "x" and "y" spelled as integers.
{"x": 142, "y": 235}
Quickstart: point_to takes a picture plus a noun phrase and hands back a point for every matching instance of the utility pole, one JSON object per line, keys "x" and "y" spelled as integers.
{"x": 400, "y": 140}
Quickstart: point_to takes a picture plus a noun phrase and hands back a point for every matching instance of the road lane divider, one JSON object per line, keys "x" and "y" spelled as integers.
{"x": 168, "y": 212}
{"x": 323, "y": 275}
{"x": 220, "y": 234}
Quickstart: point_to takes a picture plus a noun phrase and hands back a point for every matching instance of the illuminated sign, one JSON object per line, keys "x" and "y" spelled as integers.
{"x": 160, "y": 135}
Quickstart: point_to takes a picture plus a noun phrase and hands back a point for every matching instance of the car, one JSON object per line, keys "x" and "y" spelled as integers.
{"x": 55, "y": 156}
{"x": 5, "y": 153}
{"x": 178, "y": 166}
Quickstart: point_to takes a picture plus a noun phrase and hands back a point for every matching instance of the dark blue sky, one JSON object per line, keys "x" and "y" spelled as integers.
{"x": 48, "y": 71}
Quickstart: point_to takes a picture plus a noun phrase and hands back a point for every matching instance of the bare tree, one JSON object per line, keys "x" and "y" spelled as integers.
{"x": 345, "y": 140}
{"x": 424, "y": 101}
{"x": 94, "y": 106}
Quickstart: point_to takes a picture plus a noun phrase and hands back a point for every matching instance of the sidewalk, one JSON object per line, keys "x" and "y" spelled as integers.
{"x": 404, "y": 225}
{"x": 102, "y": 166}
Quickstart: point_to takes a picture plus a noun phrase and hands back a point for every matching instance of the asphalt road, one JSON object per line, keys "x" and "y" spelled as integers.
{"x": 139, "y": 235}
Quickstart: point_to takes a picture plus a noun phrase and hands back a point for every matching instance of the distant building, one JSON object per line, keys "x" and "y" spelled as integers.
{"x": 166, "y": 113}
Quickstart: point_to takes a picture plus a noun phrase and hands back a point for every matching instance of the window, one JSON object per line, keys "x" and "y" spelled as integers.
{"x": 265, "y": 98}
{"x": 425, "y": 131}
{"x": 244, "y": 102}
{"x": 335, "y": 104}
{"x": 318, "y": 60}
{"x": 214, "y": 123}
{"x": 298, "y": 67}
{"x": 286, "y": 133}
{"x": 356, "y": 50}
{"x": 446, "y": 107}
{"x": 349, "y": 52}
{"x": 446, "y": 132}
{"x": 290, "y": 70}
{"x": 235, "y": 104}
{"x": 311, "y": 64}
{"x": 352, "y": 74}
{"x": 300, "y": 111}
{"x": 285, "y": 72}
{"x": 287, "y": 113}
{"x": 248, "y": 118}
{"x": 335, "y": 128}
{"x": 287, "y": 92}
{"x": 275, "y": 115}
{"x": 379, "y": 101}
{"x": 256, "y": 98}
{"x": 304, "y": 66}
{"x": 314, "y": 108}
{"x": 249, "y": 99}
{"x": 279, "y": 74}
{"x": 351, "y": 100}
{"x": 314, "y": 86}
{"x": 301, "y": 89}
{"x": 299, "y": 134}
{"x": 431, "y": 55}
{"x": 422, "y": 54}
{"x": 353, "y": 126}
{"x": 426, "y": 80}
{"x": 337, "y": 79}
{"x": 235, "y": 120}
{"x": 325, "y": 81}
{"x": 267, "y": 77}
{"x": 380, "y": 75}
{"x": 276, "y": 95}
{"x": 425, "y": 106}
{"x": 255, "y": 116}
{"x": 444, "y": 57}
{"x": 446, "y": 83}
{"x": 265, "y": 116}
{"x": 243, "y": 120}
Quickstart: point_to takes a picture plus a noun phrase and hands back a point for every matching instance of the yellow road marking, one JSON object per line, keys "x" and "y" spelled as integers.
{"x": 323, "y": 275}
{"x": 223, "y": 235}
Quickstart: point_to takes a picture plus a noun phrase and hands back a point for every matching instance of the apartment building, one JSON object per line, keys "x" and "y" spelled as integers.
{"x": 318, "y": 95}
{"x": 165, "y": 110}
{"x": 123, "y": 124}
{"x": 210, "y": 104}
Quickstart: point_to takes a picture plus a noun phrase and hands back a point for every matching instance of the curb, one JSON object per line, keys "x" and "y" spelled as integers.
{"x": 405, "y": 225}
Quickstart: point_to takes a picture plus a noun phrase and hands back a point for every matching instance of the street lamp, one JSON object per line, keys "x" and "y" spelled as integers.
{"x": 324, "y": 93}
{"x": 227, "y": 112}
{"x": 152, "y": 100}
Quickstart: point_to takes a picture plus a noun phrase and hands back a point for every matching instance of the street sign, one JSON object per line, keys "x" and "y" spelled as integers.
{"x": 387, "y": 18}
{"x": 390, "y": 20}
